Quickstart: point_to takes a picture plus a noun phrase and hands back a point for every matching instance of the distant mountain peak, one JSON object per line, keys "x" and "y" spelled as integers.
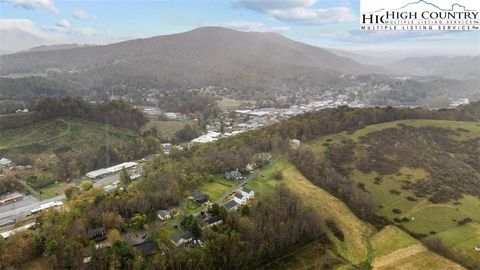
{"x": 15, "y": 40}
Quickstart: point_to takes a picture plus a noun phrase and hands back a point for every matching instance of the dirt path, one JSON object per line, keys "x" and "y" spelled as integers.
{"x": 394, "y": 258}
{"x": 414, "y": 257}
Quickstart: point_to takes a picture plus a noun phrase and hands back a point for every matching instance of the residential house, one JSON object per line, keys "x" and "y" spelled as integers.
{"x": 182, "y": 238}
{"x": 5, "y": 162}
{"x": 239, "y": 198}
{"x": 164, "y": 214}
{"x": 294, "y": 143}
{"x": 233, "y": 175}
{"x": 248, "y": 193}
{"x": 97, "y": 234}
{"x": 199, "y": 197}
{"x": 251, "y": 167}
{"x": 147, "y": 248}
{"x": 166, "y": 147}
{"x": 231, "y": 205}
{"x": 212, "y": 221}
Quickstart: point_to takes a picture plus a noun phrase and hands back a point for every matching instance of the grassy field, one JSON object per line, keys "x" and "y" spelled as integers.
{"x": 462, "y": 240}
{"x": 357, "y": 233}
{"x": 263, "y": 182}
{"x": 62, "y": 132}
{"x": 53, "y": 190}
{"x": 424, "y": 217}
{"x": 166, "y": 129}
{"x": 394, "y": 249}
{"x": 217, "y": 188}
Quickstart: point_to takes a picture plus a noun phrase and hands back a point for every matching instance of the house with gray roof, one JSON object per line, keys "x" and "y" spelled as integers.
{"x": 182, "y": 238}
{"x": 199, "y": 197}
{"x": 233, "y": 175}
{"x": 164, "y": 214}
{"x": 212, "y": 221}
{"x": 231, "y": 205}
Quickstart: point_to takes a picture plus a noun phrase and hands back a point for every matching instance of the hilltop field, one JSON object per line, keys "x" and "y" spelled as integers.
{"x": 61, "y": 132}
{"x": 423, "y": 176}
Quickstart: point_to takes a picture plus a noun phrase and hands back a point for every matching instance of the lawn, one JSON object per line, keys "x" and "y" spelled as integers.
{"x": 165, "y": 234}
{"x": 262, "y": 181}
{"x": 217, "y": 188}
{"x": 53, "y": 190}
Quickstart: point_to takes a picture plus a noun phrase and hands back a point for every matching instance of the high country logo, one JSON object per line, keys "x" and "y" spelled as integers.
{"x": 421, "y": 15}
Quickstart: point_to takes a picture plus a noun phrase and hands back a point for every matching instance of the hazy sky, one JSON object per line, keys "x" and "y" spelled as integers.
{"x": 326, "y": 23}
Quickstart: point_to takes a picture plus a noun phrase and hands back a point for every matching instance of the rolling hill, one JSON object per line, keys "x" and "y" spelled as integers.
{"x": 450, "y": 67}
{"x": 201, "y": 57}
{"x": 422, "y": 175}
{"x": 59, "y": 133}
{"x": 362, "y": 245}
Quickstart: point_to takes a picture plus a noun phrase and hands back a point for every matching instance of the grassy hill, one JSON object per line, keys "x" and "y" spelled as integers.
{"x": 422, "y": 175}
{"x": 390, "y": 248}
{"x": 61, "y": 133}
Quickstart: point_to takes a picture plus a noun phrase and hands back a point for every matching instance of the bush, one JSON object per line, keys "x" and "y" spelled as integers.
{"x": 86, "y": 185}
{"x": 412, "y": 199}
{"x": 335, "y": 230}
{"x": 278, "y": 175}
{"x": 396, "y": 211}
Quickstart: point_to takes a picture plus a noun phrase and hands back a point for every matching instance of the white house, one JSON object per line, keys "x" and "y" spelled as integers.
{"x": 239, "y": 198}
{"x": 5, "y": 162}
{"x": 164, "y": 214}
{"x": 250, "y": 167}
{"x": 182, "y": 238}
{"x": 248, "y": 193}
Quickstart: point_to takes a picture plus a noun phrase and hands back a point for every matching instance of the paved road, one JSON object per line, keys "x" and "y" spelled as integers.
{"x": 21, "y": 209}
